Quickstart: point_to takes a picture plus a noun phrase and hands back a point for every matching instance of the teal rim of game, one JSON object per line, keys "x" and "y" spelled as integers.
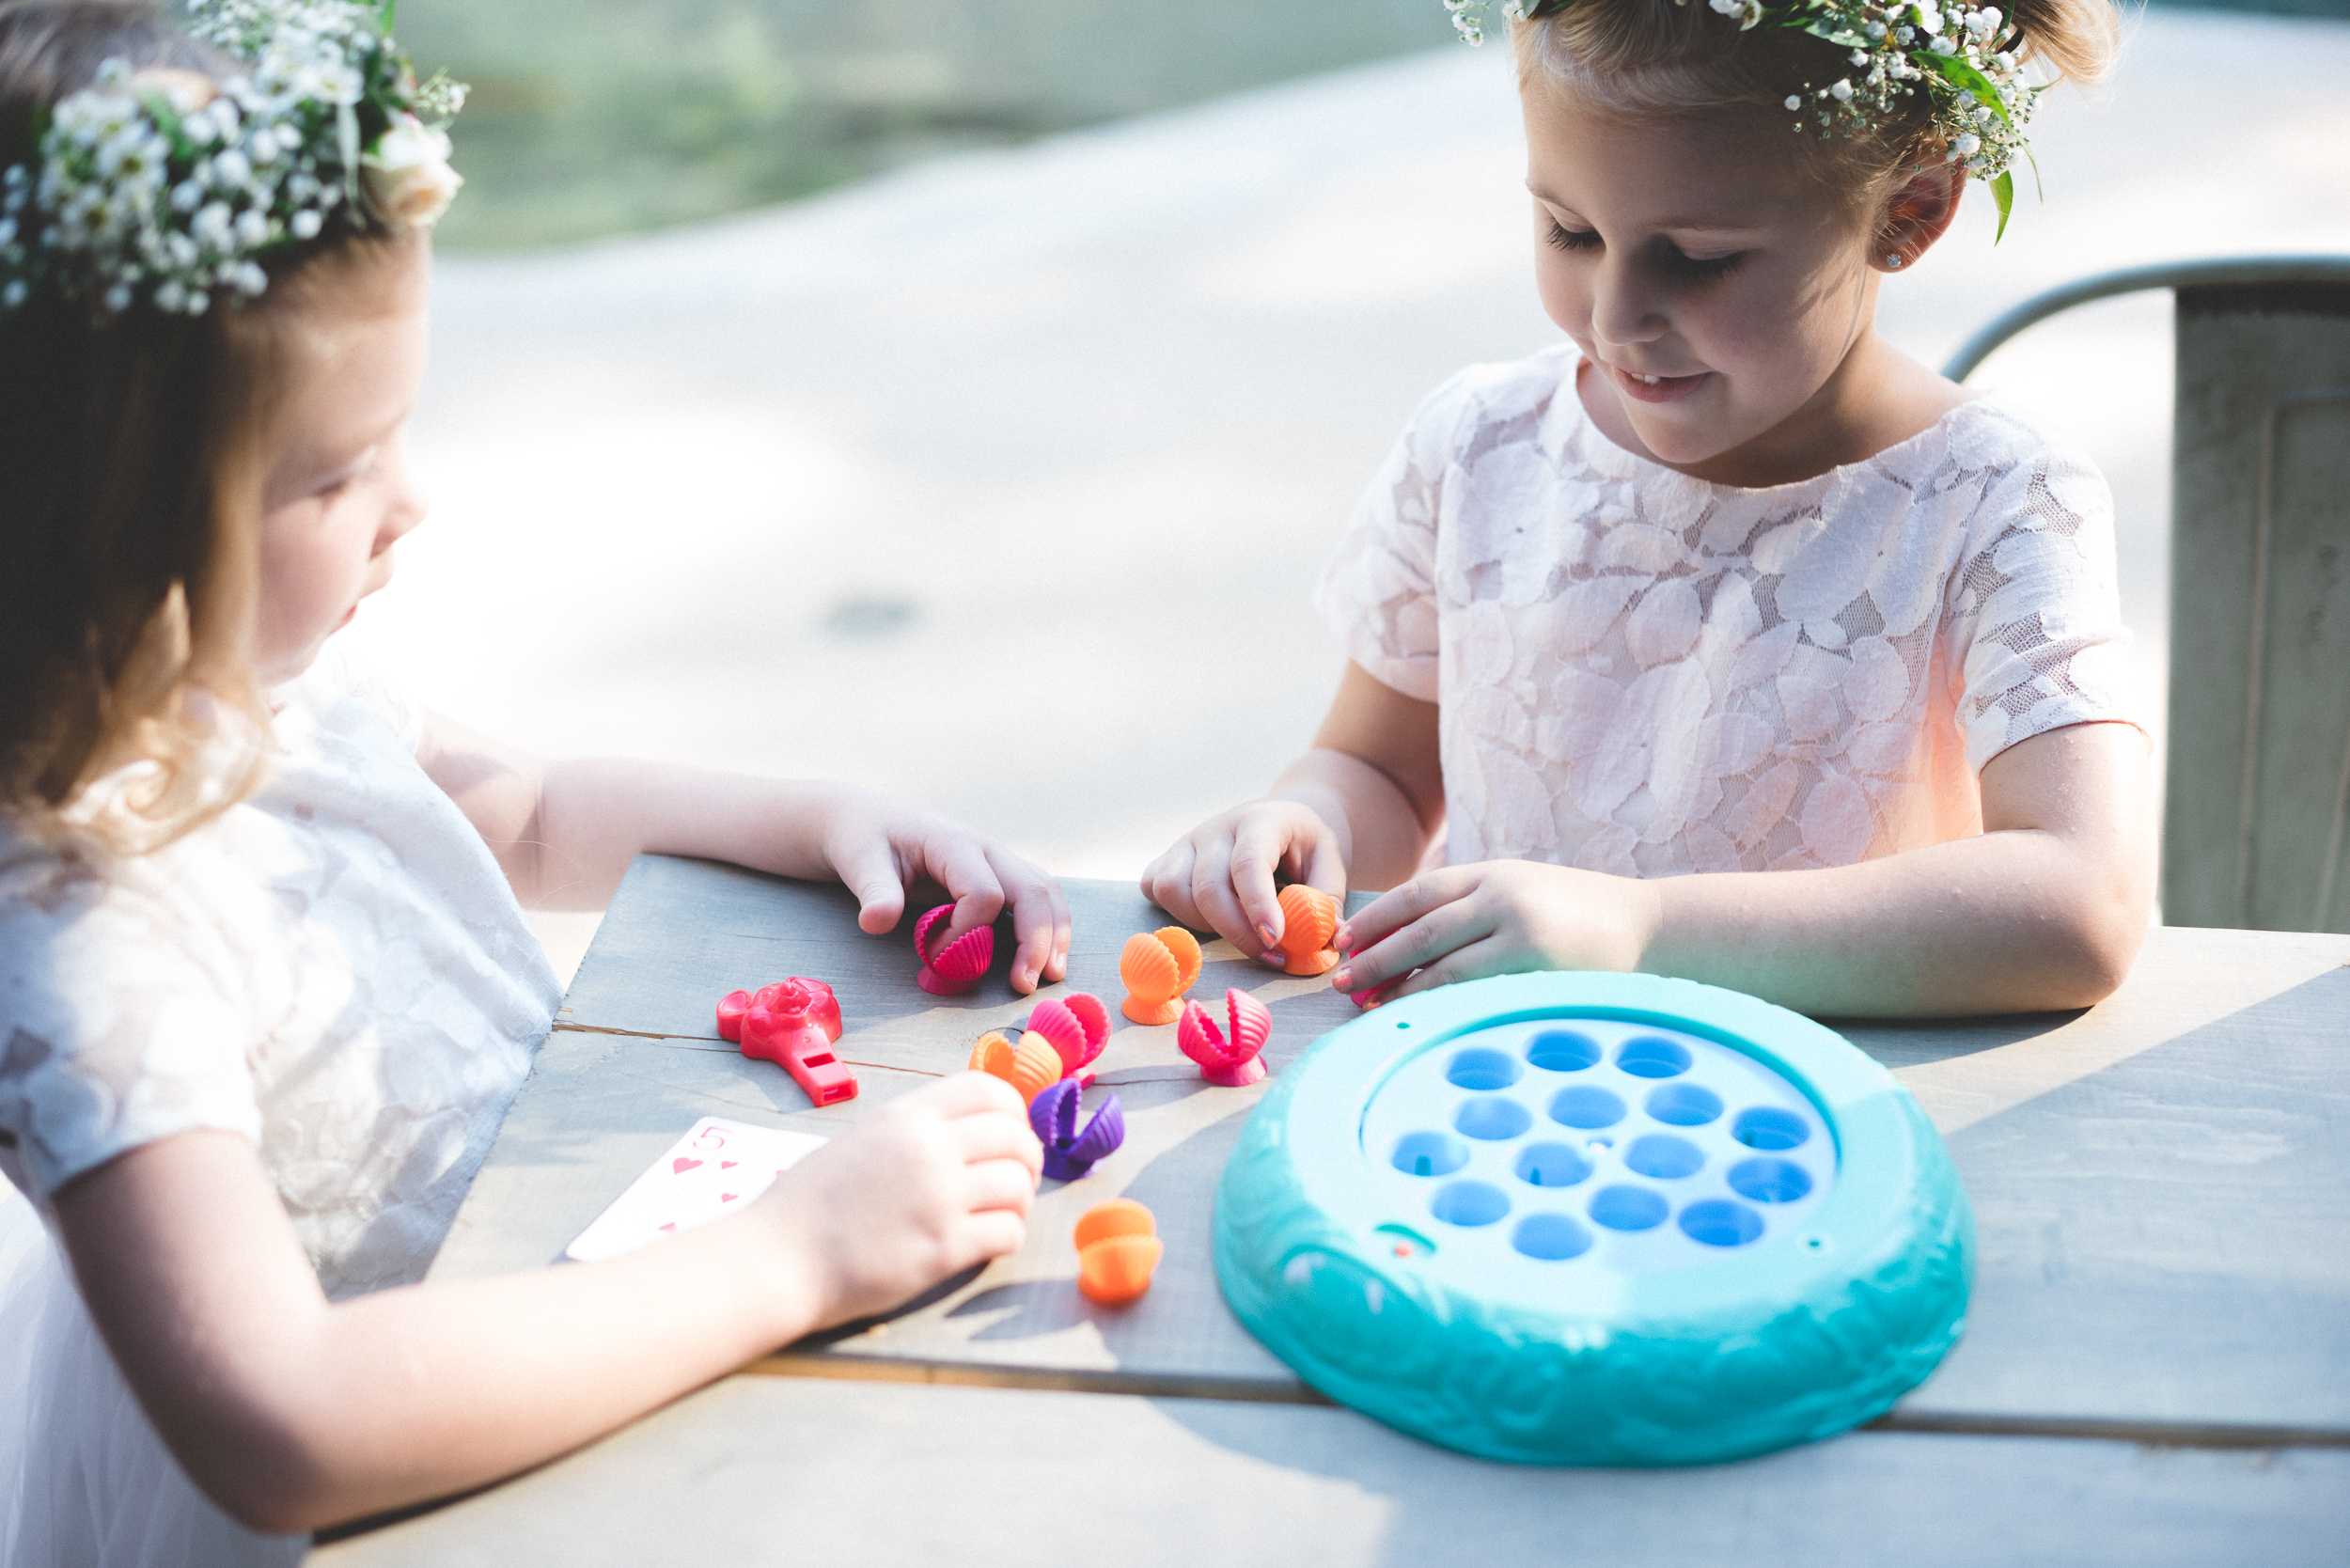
{"x": 1596, "y": 1219}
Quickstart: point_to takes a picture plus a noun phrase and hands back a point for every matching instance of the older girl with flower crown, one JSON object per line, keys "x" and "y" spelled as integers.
{"x": 265, "y": 988}
{"x": 1725, "y": 640}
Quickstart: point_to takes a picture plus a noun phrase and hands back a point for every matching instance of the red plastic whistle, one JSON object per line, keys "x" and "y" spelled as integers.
{"x": 793, "y": 1023}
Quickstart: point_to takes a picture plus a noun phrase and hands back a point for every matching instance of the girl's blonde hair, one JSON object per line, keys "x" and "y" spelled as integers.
{"x": 1655, "y": 58}
{"x": 133, "y": 455}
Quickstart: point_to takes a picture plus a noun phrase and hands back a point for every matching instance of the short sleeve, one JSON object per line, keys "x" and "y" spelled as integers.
{"x": 122, "y": 1022}
{"x": 2035, "y": 618}
{"x": 1379, "y": 590}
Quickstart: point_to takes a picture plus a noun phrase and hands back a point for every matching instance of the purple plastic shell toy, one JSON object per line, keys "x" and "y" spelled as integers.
{"x": 1068, "y": 1153}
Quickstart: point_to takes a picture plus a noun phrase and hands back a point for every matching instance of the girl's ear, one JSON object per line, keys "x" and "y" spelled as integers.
{"x": 1922, "y": 204}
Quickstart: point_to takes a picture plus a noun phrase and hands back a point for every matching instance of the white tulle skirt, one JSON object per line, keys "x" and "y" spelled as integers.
{"x": 84, "y": 1482}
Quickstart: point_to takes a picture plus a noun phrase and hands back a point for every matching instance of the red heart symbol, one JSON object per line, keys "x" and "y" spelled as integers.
{"x": 729, "y": 1164}
{"x": 729, "y": 1197}
{"x": 681, "y": 1165}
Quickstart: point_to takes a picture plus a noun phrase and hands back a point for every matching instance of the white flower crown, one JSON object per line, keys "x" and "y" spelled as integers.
{"x": 164, "y": 188}
{"x": 1964, "y": 61}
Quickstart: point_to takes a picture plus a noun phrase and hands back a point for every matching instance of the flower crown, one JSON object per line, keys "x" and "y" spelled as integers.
{"x": 1964, "y": 61}
{"x": 161, "y": 187}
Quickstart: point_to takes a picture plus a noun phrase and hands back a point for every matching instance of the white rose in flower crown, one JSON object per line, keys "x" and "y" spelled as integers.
{"x": 408, "y": 179}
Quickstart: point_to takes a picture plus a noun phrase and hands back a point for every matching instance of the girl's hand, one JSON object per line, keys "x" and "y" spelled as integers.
{"x": 930, "y": 1184}
{"x": 879, "y": 847}
{"x": 1220, "y": 876}
{"x": 1497, "y": 918}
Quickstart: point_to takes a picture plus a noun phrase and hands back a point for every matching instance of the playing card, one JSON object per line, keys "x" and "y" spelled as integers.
{"x": 713, "y": 1170}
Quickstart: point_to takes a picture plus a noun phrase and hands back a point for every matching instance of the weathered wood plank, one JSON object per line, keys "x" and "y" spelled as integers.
{"x": 760, "y": 1470}
{"x": 2152, "y": 1178}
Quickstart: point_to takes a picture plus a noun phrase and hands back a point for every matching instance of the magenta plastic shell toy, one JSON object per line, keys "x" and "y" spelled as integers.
{"x": 1234, "y": 1062}
{"x": 1077, "y": 1026}
{"x": 1068, "y": 1153}
{"x": 955, "y": 968}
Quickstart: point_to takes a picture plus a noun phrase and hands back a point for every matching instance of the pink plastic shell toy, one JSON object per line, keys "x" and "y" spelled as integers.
{"x": 1234, "y": 1062}
{"x": 1068, "y": 1153}
{"x": 1075, "y": 1025}
{"x": 951, "y": 970}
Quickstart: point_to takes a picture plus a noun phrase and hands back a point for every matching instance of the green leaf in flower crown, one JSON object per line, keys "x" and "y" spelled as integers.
{"x": 1974, "y": 83}
{"x": 2002, "y": 192}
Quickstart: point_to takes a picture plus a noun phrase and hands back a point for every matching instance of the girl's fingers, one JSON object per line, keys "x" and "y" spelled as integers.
{"x": 992, "y": 1185}
{"x": 996, "y": 1135}
{"x": 1399, "y": 907}
{"x": 986, "y": 1234}
{"x": 869, "y": 870}
{"x": 1212, "y": 894}
{"x": 961, "y": 865}
{"x": 968, "y": 1094}
{"x": 1039, "y": 921}
{"x": 1323, "y": 867}
{"x": 1423, "y": 943}
{"x": 1258, "y": 848}
{"x": 1167, "y": 883}
{"x": 1473, "y": 962}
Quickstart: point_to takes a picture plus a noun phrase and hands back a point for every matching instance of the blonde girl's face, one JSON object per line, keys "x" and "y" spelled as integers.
{"x": 1712, "y": 289}
{"x": 339, "y": 492}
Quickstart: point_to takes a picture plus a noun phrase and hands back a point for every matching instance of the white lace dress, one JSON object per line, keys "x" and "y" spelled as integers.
{"x": 1643, "y": 673}
{"x": 336, "y": 970}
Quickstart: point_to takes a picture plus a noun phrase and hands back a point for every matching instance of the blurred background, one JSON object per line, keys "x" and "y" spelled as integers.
{"x": 961, "y": 396}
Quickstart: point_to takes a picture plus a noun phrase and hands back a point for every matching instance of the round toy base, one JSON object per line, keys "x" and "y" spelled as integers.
{"x": 1240, "y": 1076}
{"x": 1313, "y": 964}
{"x": 1144, "y": 1012}
{"x": 929, "y": 980}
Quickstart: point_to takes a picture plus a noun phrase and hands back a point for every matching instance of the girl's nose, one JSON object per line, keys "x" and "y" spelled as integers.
{"x": 409, "y": 505}
{"x": 1622, "y": 308}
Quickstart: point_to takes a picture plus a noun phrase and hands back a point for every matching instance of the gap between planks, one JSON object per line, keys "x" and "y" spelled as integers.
{"x": 2151, "y": 1434}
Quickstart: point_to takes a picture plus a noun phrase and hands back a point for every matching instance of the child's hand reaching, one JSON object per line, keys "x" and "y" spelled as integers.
{"x": 1220, "y": 876}
{"x": 879, "y": 847}
{"x": 925, "y": 1189}
{"x": 1497, "y": 918}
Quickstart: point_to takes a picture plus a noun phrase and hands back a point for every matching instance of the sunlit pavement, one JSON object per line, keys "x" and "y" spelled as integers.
{"x": 1002, "y": 483}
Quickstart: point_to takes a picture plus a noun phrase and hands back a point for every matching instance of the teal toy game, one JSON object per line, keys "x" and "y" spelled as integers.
{"x": 1596, "y": 1219}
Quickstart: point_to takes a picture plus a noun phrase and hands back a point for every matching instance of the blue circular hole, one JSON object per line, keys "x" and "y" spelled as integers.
{"x": 1553, "y": 1238}
{"x": 1493, "y": 1117}
{"x": 1469, "y": 1204}
{"x": 1769, "y": 1180}
{"x": 1770, "y": 1128}
{"x": 1663, "y": 1155}
{"x": 1480, "y": 1068}
{"x": 1718, "y": 1222}
{"x": 1651, "y": 1056}
{"x": 1563, "y": 1051}
{"x": 1586, "y": 1106}
{"x": 1683, "y": 1104}
{"x": 1429, "y": 1153}
{"x": 1552, "y": 1165}
{"x": 1628, "y": 1208}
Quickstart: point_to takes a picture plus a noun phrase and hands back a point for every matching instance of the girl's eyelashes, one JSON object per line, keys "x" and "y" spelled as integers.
{"x": 1572, "y": 239}
{"x": 1688, "y": 269}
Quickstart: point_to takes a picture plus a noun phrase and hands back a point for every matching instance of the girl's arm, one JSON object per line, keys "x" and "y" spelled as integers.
{"x": 1361, "y": 804}
{"x": 292, "y": 1413}
{"x": 565, "y": 831}
{"x": 2045, "y": 909}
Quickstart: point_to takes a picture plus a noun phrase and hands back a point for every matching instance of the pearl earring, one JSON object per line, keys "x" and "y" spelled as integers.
{"x": 1894, "y": 259}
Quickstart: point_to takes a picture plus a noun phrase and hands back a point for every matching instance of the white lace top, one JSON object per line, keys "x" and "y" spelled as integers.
{"x": 336, "y": 970}
{"x": 1643, "y": 673}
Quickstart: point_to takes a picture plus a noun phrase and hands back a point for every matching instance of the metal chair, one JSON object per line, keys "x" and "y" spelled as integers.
{"x": 2259, "y": 769}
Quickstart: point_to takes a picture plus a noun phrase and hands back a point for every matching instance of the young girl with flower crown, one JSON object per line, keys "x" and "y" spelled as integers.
{"x": 265, "y": 987}
{"x": 1726, "y": 642}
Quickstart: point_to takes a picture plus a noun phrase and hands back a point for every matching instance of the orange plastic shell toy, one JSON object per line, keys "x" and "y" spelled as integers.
{"x": 1156, "y": 968}
{"x": 1118, "y": 1251}
{"x": 1309, "y": 915}
{"x": 1031, "y": 1066}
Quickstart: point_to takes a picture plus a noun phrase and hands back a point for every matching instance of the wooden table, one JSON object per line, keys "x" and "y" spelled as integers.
{"x": 2156, "y": 1367}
